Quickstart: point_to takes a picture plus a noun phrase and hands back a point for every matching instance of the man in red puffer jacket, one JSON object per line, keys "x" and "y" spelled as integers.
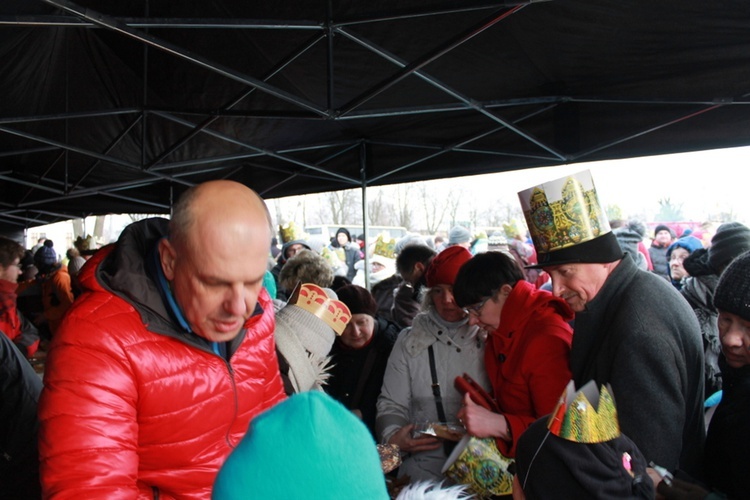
{"x": 158, "y": 368}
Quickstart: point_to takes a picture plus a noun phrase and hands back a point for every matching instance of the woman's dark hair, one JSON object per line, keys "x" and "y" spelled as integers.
{"x": 483, "y": 275}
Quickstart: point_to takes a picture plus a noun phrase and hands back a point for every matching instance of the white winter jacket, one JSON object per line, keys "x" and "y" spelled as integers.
{"x": 406, "y": 396}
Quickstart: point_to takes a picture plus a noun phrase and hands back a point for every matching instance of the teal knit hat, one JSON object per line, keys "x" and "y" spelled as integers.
{"x": 309, "y": 446}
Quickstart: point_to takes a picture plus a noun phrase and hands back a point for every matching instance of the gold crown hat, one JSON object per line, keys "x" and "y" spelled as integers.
{"x": 567, "y": 223}
{"x": 385, "y": 248}
{"x": 87, "y": 245}
{"x": 315, "y": 300}
{"x": 290, "y": 232}
{"x": 585, "y": 416}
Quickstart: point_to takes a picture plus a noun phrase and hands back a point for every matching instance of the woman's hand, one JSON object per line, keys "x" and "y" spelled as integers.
{"x": 481, "y": 422}
{"x": 402, "y": 438}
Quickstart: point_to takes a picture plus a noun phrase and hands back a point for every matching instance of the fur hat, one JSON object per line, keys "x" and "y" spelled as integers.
{"x": 309, "y": 446}
{"x": 733, "y": 291}
{"x": 358, "y": 300}
{"x": 731, "y": 239}
{"x": 444, "y": 267}
{"x": 459, "y": 234}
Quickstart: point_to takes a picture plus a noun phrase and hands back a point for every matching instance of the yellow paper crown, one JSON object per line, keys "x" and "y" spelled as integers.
{"x": 585, "y": 416}
{"x": 85, "y": 244}
{"x": 315, "y": 300}
{"x": 563, "y": 212}
{"x": 385, "y": 248}
{"x": 290, "y": 232}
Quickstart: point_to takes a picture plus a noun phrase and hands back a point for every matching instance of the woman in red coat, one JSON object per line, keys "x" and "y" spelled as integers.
{"x": 527, "y": 353}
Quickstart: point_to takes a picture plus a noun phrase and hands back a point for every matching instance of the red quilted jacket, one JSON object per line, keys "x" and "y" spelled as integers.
{"x": 130, "y": 413}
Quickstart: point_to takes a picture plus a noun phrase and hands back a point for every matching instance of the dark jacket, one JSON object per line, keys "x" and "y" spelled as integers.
{"x": 658, "y": 256}
{"x": 19, "y": 395}
{"x": 640, "y": 335}
{"x": 349, "y": 366}
{"x": 383, "y": 292}
{"x": 728, "y": 441}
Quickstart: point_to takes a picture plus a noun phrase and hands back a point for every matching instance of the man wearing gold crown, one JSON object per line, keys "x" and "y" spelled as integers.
{"x": 157, "y": 370}
{"x": 631, "y": 329}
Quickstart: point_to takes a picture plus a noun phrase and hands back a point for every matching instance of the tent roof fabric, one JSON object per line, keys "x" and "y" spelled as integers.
{"x": 111, "y": 106}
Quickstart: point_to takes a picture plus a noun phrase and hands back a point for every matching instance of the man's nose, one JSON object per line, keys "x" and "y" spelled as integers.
{"x": 557, "y": 288}
{"x": 235, "y": 302}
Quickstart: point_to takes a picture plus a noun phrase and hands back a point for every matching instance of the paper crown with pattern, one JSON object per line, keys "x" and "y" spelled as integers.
{"x": 86, "y": 245}
{"x": 290, "y": 232}
{"x": 385, "y": 248}
{"x": 563, "y": 212}
{"x": 315, "y": 300}
{"x": 586, "y": 415}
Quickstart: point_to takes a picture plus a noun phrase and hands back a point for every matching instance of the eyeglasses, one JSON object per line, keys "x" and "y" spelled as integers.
{"x": 475, "y": 309}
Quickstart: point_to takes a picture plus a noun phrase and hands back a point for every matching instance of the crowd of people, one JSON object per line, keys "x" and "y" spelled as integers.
{"x": 194, "y": 358}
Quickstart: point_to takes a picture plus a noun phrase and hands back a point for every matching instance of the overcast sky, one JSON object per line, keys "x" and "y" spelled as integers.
{"x": 704, "y": 182}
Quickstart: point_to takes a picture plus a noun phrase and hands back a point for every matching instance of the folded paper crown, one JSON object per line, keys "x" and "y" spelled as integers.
{"x": 385, "y": 248}
{"x": 586, "y": 415}
{"x": 315, "y": 300}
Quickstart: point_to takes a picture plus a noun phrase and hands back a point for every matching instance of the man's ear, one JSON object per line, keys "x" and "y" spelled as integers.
{"x": 419, "y": 269}
{"x": 167, "y": 255}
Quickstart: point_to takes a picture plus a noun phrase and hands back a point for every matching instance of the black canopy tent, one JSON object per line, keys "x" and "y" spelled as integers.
{"x": 111, "y": 106}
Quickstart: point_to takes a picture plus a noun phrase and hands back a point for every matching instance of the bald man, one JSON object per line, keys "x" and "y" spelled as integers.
{"x": 159, "y": 367}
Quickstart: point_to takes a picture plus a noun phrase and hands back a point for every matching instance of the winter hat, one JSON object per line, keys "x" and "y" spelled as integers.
{"x": 444, "y": 267}
{"x": 689, "y": 243}
{"x": 358, "y": 300}
{"x": 345, "y": 231}
{"x": 629, "y": 235}
{"x": 282, "y": 256}
{"x": 732, "y": 294}
{"x": 45, "y": 258}
{"x": 731, "y": 239}
{"x": 309, "y": 446}
{"x": 664, "y": 227}
{"x": 459, "y": 234}
{"x": 409, "y": 239}
{"x": 75, "y": 265}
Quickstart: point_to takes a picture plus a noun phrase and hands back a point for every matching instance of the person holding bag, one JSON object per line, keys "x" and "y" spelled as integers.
{"x": 527, "y": 352}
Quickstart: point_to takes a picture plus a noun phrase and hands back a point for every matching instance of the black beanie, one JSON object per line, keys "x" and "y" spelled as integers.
{"x": 731, "y": 239}
{"x": 664, "y": 227}
{"x": 733, "y": 291}
{"x": 358, "y": 300}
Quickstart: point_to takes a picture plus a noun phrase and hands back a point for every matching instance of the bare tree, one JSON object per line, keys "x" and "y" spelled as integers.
{"x": 453, "y": 201}
{"x": 343, "y": 207}
{"x": 434, "y": 208}
{"x": 404, "y": 216}
{"x": 379, "y": 210}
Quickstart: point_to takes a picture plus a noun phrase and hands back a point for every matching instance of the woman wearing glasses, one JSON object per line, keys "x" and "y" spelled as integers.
{"x": 528, "y": 348}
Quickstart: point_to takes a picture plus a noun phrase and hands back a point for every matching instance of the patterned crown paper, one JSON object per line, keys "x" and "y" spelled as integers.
{"x": 314, "y": 299}
{"x": 385, "y": 248}
{"x": 586, "y": 415}
{"x": 563, "y": 212}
